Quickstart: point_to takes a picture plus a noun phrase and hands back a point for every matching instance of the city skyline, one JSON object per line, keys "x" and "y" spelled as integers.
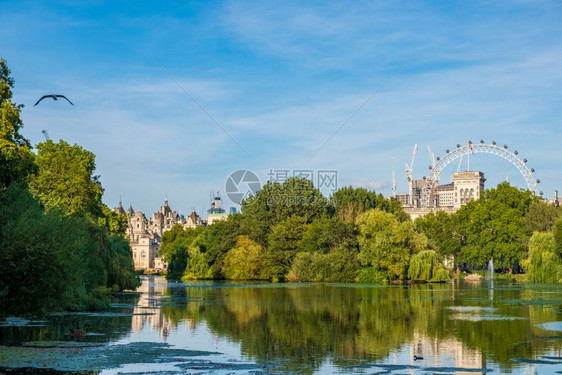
{"x": 280, "y": 82}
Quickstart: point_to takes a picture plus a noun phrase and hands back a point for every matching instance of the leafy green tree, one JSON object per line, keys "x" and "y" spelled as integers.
{"x": 66, "y": 179}
{"x": 387, "y": 244}
{"x": 284, "y": 242}
{"x": 243, "y": 262}
{"x": 169, "y": 237}
{"x": 206, "y": 254}
{"x": 119, "y": 271}
{"x": 440, "y": 228}
{"x": 541, "y": 217}
{"x": 339, "y": 265}
{"x": 115, "y": 223}
{"x": 349, "y": 203}
{"x": 543, "y": 264}
{"x": 492, "y": 227}
{"x": 276, "y": 202}
{"x": 328, "y": 233}
{"x": 16, "y": 158}
{"x": 50, "y": 261}
{"x": 174, "y": 248}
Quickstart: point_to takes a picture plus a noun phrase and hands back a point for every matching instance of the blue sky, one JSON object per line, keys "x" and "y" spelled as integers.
{"x": 281, "y": 78}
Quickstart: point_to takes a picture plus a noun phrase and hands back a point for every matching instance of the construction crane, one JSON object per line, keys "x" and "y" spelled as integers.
{"x": 45, "y": 134}
{"x": 393, "y": 180}
{"x": 409, "y": 170}
{"x": 431, "y": 156}
{"x": 459, "y": 165}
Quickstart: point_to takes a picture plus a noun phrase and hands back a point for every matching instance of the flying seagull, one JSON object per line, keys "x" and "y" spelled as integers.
{"x": 54, "y": 96}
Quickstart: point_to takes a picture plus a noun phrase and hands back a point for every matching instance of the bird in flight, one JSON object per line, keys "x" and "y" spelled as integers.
{"x": 54, "y": 96}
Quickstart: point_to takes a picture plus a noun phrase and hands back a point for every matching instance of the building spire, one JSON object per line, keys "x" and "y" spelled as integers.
{"x": 166, "y": 200}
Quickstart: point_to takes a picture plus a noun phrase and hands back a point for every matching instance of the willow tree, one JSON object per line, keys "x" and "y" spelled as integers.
{"x": 543, "y": 264}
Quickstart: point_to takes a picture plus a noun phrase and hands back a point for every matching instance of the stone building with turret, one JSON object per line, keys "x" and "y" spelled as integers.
{"x": 145, "y": 235}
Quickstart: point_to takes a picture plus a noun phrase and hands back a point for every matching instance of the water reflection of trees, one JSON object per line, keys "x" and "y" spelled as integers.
{"x": 57, "y": 327}
{"x": 303, "y": 324}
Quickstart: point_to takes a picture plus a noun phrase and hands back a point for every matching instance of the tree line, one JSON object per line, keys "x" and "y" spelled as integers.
{"x": 61, "y": 248}
{"x": 357, "y": 235}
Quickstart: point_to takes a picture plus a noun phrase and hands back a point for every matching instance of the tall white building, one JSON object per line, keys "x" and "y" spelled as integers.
{"x": 468, "y": 186}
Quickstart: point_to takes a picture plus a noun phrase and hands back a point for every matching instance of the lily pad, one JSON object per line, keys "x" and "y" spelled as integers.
{"x": 21, "y": 322}
{"x": 73, "y": 356}
{"x": 60, "y": 344}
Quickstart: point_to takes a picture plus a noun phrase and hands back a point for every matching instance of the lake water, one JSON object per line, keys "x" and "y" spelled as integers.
{"x": 484, "y": 327}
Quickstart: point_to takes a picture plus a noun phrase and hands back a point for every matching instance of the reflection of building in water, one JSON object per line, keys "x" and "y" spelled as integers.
{"x": 147, "y": 310}
{"x": 437, "y": 353}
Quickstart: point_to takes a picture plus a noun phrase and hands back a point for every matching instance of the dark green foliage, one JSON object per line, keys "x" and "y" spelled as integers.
{"x": 69, "y": 256}
{"x": 327, "y": 233}
{"x": 440, "y": 229}
{"x": 207, "y": 252}
{"x": 492, "y": 227}
{"x": 541, "y": 217}
{"x": 349, "y": 203}
{"x": 284, "y": 242}
{"x": 174, "y": 249}
{"x": 47, "y": 258}
{"x": 339, "y": 265}
{"x": 276, "y": 202}
{"x": 118, "y": 264}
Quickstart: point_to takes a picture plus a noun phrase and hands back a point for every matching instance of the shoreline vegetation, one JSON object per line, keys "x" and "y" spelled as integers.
{"x": 359, "y": 236}
{"x": 62, "y": 249}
